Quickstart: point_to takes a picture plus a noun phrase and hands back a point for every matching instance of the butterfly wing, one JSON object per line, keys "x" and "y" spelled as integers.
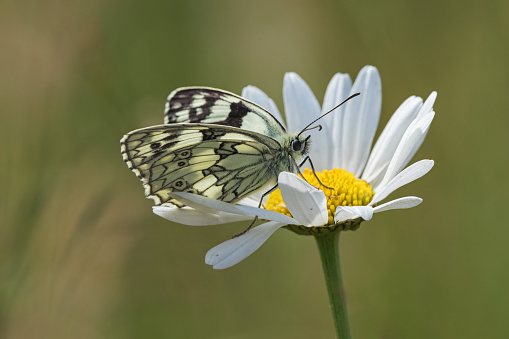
{"x": 219, "y": 162}
{"x": 215, "y": 106}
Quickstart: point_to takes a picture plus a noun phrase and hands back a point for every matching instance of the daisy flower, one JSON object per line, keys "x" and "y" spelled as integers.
{"x": 361, "y": 176}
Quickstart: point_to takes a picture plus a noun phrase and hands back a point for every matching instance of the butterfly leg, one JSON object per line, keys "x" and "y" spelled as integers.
{"x": 300, "y": 173}
{"x": 307, "y": 158}
{"x": 267, "y": 193}
{"x": 247, "y": 229}
{"x": 256, "y": 217}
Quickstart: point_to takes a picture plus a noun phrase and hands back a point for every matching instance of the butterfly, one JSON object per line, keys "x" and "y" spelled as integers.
{"x": 215, "y": 144}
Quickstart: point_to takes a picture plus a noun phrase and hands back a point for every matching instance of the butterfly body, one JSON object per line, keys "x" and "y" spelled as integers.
{"x": 213, "y": 143}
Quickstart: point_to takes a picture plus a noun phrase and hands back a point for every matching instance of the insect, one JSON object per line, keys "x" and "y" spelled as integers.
{"x": 214, "y": 143}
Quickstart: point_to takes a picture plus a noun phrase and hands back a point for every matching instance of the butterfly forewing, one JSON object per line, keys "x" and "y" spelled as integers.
{"x": 218, "y": 162}
{"x": 213, "y": 106}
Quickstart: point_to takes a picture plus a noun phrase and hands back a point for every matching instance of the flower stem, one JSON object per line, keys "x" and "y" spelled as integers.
{"x": 328, "y": 245}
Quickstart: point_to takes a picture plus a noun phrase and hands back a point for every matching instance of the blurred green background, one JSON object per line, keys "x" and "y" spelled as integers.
{"x": 83, "y": 256}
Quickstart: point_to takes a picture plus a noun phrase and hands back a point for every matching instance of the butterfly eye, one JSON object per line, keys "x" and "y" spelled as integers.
{"x": 296, "y": 145}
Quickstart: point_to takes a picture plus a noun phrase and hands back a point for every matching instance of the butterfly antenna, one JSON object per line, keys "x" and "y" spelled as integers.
{"x": 317, "y": 126}
{"x": 307, "y": 129}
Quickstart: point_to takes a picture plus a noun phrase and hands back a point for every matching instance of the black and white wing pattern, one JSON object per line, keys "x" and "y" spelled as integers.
{"x": 220, "y": 162}
{"x": 215, "y": 106}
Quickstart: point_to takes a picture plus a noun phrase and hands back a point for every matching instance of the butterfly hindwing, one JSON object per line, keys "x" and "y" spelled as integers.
{"x": 219, "y": 162}
{"x": 214, "y": 106}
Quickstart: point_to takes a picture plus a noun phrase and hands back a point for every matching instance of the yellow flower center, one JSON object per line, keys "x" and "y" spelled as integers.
{"x": 347, "y": 191}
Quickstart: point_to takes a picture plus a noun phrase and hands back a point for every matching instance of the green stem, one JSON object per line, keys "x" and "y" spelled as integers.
{"x": 328, "y": 245}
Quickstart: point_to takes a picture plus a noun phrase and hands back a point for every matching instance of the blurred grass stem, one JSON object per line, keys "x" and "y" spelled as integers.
{"x": 328, "y": 245}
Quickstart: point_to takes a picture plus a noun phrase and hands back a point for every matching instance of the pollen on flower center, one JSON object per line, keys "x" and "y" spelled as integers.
{"x": 348, "y": 191}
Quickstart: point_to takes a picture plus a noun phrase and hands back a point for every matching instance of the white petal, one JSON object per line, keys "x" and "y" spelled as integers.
{"x": 344, "y": 213}
{"x": 254, "y": 198}
{"x": 306, "y": 203}
{"x": 267, "y": 215}
{"x": 205, "y": 204}
{"x": 361, "y": 120}
{"x": 235, "y": 250}
{"x": 413, "y": 136}
{"x": 301, "y": 108}
{"x": 398, "y": 204}
{"x": 251, "y": 200}
{"x": 259, "y": 97}
{"x": 190, "y": 216}
{"x": 425, "y": 112}
{"x": 388, "y": 141}
{"x": 337, "y": 91}
{"x": 200, "y": 202}
{"x": 409, "y": 174}
{"x": 428, "y": 104}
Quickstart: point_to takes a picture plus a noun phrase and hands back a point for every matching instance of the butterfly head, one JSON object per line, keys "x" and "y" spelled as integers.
{"x": 299, "y": 146}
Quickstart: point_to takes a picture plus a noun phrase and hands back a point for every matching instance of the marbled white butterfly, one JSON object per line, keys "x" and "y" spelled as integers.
{"x": 213, "y": 143}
